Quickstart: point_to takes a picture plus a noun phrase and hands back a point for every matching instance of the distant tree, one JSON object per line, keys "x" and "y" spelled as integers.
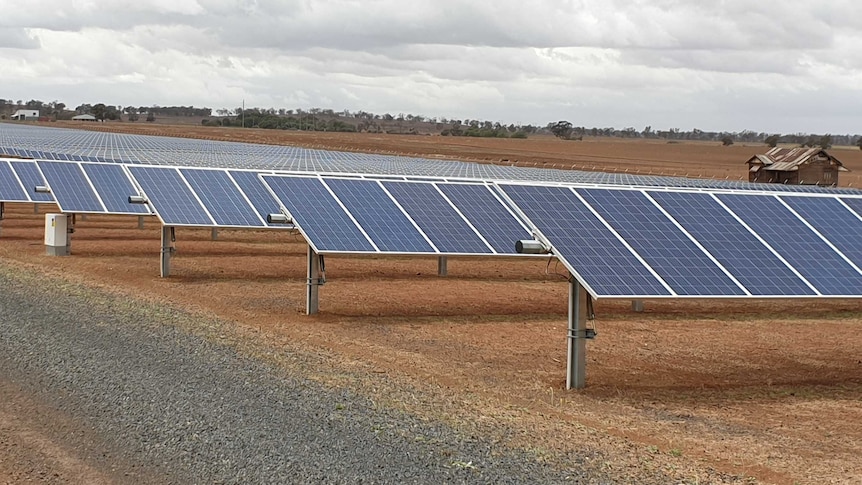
{"x": 151, "y": 117}
{"x": 561, "y": 129}
{"x": 859, "y": 142}
{"x": 727, "y": 140}
{"x": 98, "y": 111}
{"x": 825, "y": 141}
{"x": 772, "y": 140}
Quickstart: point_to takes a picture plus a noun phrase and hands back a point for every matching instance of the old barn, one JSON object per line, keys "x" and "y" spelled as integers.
{"x": 798, "y": 166}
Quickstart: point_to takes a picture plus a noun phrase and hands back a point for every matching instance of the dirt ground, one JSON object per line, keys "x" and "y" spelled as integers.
{"x": 704, "y": 391}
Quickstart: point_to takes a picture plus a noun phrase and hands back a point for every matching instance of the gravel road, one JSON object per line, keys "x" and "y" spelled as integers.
{"x": 120, "y": 387}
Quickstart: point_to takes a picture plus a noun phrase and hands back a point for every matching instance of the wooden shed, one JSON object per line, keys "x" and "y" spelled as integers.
{"x": 798, "y": 166}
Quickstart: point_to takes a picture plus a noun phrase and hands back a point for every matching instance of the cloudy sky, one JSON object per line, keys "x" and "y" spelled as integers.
{"x": 771, "y": 65}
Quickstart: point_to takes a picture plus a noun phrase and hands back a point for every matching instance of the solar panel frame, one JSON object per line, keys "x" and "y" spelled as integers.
{"x": 163, "y": 184}
{"x": 222, "y": 198}
{"x": 11, "y": 189}
{"x": 114, "y": 185}
{"x": 72, "y": 189}
{"x": 30, "y": 176}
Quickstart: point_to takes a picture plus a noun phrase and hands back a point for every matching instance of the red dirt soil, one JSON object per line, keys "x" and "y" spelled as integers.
{"x": 701, "y": 390}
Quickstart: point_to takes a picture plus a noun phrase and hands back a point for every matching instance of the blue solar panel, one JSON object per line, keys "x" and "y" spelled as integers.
{"x": 378, "y": 215}
{"x": 170, "y": 196}
{"x": 796, "y": 243}
{"x": 487, "y": 214}
{"x": 660, "y": 243}
{"x": 256, "y": 192}
{"x": 31, "y": 177}
{"x": 734, "y": 246}
{"x": 70, "y": 187}
{"x": 449, "y": 232}
{"x": 114, "y": 188}
{"x": 831, "y": 218}
{"x": 584, "y": 243}
{"x": 10, "y": 188}
{"x": 317, "y": 214}
{"x": 222, "y": 198}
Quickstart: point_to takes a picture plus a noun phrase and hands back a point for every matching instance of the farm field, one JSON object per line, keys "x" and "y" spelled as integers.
{"x": 702, "y": 391}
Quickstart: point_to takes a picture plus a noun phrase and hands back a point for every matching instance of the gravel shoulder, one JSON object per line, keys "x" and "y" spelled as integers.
{"x": 102, "y": 389}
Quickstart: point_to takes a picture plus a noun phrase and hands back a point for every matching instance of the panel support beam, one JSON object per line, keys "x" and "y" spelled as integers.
{"x": 313, "y": 283}
{"x": 442, "y": 267}
{"x": 638, "y": 306}
{"x": 140, "y": 222}
{"x": 168, "y": 250}
{"x": 2, "y": 213}
{"x": 35, "y": 208}
{"x": 214, "y": 234}
{"x": 576, "y": 371}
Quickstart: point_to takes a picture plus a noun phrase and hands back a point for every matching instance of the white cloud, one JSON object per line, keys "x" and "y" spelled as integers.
{"x": 722, "y": 65}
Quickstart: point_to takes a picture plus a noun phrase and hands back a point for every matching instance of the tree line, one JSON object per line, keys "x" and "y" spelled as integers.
{"x": 319, "y": 119}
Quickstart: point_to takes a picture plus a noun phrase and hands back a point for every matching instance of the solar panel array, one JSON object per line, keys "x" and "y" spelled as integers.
{"x": 641, "y": 243}
{"x": 345, "y": 215}
{"x": 622, "y": 236}
{"x": 44, "y": 143}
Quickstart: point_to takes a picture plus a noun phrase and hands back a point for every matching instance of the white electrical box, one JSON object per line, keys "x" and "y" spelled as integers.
{"x": 56, "y": 234}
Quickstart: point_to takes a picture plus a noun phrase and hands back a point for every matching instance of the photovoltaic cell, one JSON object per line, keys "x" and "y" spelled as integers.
{"x": 256, "y": 192}
{"x": 834, "y": 221}
{"x": 584, "y": 243}
{"x": 449, "y": 232}
{"x": 170, "y": 196}
{"x": 796, "y": 243}
{"x": 70, "y": 187}
{"x": 487, "y": 214}
{"x": 378, "y": 215}
{"x": 734, "y": 246}
{"x": 113, "y": 186}
{"x": 222, "y": 198}
{"x": 317, "y": 214}
{"x": 10, "y": 188}
{"x": 31, "y": 177}
{"x": 660, "y": 243}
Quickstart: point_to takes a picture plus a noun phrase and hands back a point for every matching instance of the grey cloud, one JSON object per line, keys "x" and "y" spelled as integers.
{"x": 11, "y": 38}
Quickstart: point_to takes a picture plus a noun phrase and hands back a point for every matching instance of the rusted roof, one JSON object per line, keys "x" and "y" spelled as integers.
{"x": 789, "y": 159}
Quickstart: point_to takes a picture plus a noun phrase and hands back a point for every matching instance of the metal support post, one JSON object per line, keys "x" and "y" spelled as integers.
{"x": 637, "y": 306}
{"x": 576, "y": 372}
{"x": 140, "y": 222}
{"x": 168, "y": 250}
{"x": 2, "y": 212}
{"x": 214, "y": 234}
{"x": 312, "y": 283}
{"x": 70, "y": 228}
{"x": 442, "y": 269}
{"x": 35, "y": 208}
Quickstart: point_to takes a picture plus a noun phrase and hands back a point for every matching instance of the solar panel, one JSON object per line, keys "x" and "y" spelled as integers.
{"x": 114, "y": 188}
{"x": 486, "y": 212}
{"x": 222, "y": 198}
{"x": 378, "y": 215}
{"x": 325, "y": 224}
{"x": 30, "y": 177}
{"x": 584, "y": 244}
{"x": 673, "y": 256}
{"x": 799, "y": 245}
{"x": 10, "y": 187}
{"x": 735, "y": 247}
{"x": 832, "y": 219}
{"x": 173, "y": 200}
{"x": 70, "y": 187}
{"x": 256, "y": 191}
{"x": 443, "y": 225}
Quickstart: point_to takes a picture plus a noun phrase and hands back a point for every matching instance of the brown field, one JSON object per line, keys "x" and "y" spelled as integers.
{"x": 703, "y": 391}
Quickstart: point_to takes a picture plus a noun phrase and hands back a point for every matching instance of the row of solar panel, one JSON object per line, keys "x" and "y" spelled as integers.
{"x": 620, "y": 242}
{"x": 44, "y": 155}
{"x": 357, "y": 215}
{"x": 662, "y": 243}
{"x": 196, "y": 197}
{"x": 74, "y": 145}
